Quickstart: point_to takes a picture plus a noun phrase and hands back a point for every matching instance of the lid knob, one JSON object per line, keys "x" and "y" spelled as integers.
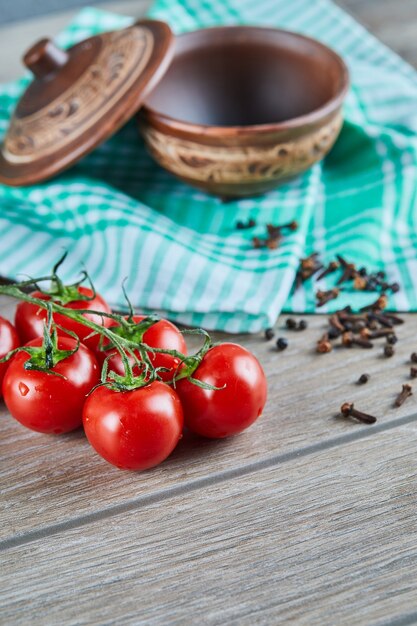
{"x": 44, "y": 57}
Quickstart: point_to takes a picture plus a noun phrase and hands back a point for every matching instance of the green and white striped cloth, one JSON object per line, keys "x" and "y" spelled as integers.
{"x": 121, "y": 215}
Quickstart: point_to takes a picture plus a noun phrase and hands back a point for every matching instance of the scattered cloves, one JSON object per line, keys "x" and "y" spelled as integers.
{"x": 307, "y": 268}
{"x": 349, "y": 340}
{"x": 413, "y": 372}
{"x": 413, "y": 357}
{"x": 324, "y": 345}
{"x": 381, "y": 319}
{"x": 276, "y": 231}
{"x": 349, "y": 270}
{"x": 363, "y": 379}
{"x": 358, "y": 326}
{"x": 360, "y": 283}
{"x": 274, "y": 237}
{"x": 325, "y": 296}
{"x": 348, "y": 410}
{"x": 394, "y": 319}
{"x": 332, "y": 267}
{"x": 379, "y": 304}
{"x": 367, "y": 333}
{"x": 272, "y": 243}
{"x": 405, "y": 393}
{"x": 334, "y": 333}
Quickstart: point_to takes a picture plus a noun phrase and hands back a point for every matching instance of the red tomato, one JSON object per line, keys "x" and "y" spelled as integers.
{"x": 9, "y": 340}
{"x": 48, "y": 403}
{"x": 135, "y": 429}
{"x": 223, "y": 412}
{"x": 163, "y": 334}
{"x": 29, "y": 318}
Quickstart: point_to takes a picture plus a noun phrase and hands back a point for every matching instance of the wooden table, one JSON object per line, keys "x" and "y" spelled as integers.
{"x": 306, "y": 518}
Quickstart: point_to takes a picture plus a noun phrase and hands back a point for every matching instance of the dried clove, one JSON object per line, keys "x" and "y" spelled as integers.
{"x": 381, "y": 319}
{"x": 348, "y": 410}
{"x": 276, "y": 231}
{"x": 307, "y": 268}
{"x": 413, "y": 357}
{"x": 349, "y": 270}
{"x": 325, "y": 296}
{"x": 394, "y": 319}
{"x": 272, "y": 243}
{"x": 258, "y": 243}
{"x": 335, "y": 322}
{"x": 363, "y": 379}
{"x": 405, "y": 393}
{"x": 358, "y": 326}
{"x": 334, "y": 333}
{"x": 413, "y": 372}
{"x": 323, "y": 345}
{"x": 360, "y": 283}
{"x": 380, "y": 303}
{"x": 349, "y": 340}
{"x": 367, "y": 333}
{"x": 332, "y": 267}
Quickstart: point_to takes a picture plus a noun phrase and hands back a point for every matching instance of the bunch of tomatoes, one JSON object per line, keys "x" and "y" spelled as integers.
{"x": 68, "y": 361}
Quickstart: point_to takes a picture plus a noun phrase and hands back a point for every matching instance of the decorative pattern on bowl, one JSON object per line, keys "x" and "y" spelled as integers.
{"x": 233, "y": 170}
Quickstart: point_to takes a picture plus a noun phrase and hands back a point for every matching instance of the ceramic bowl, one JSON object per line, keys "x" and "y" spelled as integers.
{"x": 242, "y": 108}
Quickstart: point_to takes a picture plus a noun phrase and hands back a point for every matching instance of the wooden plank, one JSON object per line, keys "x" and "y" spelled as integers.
{"x": 328, "y": 538}
{"x": 46, "y": 480}
{"x": 395, "y": 23}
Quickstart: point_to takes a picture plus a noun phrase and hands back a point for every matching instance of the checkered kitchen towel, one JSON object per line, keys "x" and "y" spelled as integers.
{"x": 121, "y": 215}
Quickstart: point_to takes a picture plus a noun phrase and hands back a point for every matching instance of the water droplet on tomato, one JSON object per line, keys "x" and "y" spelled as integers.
{"x": 24, "y": 389}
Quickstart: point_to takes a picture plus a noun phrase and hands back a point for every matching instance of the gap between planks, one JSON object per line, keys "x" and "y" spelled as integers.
{"x": 363, "y": 432}
{"x": 408, "y": 619}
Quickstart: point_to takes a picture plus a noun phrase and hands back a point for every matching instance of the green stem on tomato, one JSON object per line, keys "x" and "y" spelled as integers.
{"x": 14, "y": 291}
{"x": 126, "y": 347}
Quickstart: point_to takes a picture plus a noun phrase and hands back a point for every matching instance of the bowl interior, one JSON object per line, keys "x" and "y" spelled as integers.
{"x": 241, "y": 76}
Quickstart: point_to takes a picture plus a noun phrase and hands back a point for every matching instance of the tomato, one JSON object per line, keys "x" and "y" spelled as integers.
{"x": 162, "y": 334}
{"x": 136, "y": 429}
{"x": 45, "y": 402}
{"x": 223, "y": 412}
{"x": 29, "y": 318}
{"x": 9, "y": 340}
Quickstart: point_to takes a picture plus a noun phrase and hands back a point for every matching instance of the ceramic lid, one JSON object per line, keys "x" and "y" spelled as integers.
{"x": 81, "y": 96}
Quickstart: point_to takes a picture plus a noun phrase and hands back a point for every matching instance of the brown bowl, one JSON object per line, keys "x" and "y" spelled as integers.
{"x": 243, "y": 108}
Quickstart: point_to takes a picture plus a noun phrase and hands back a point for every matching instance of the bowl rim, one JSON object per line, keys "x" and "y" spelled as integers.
{"x": 311, "y": 118}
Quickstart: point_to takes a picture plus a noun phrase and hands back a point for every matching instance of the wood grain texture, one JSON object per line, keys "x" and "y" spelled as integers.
{"x": 288, "y": 523}
{"x": 395, "y": 23}
{"x": 47, "y": 480}
{"x": 329, "y": 538}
